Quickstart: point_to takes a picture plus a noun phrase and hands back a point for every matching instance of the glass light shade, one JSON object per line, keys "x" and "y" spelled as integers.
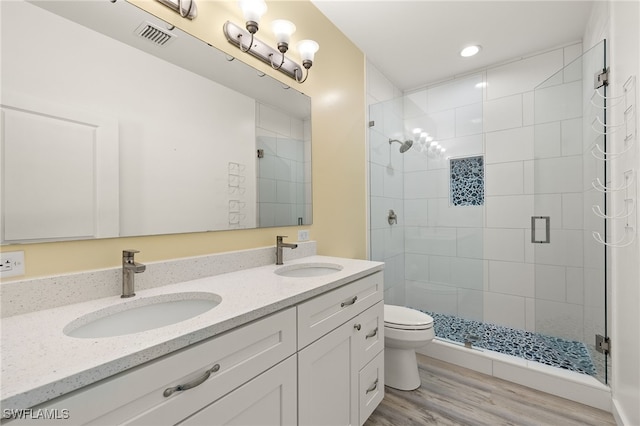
{"x": 307, "y": 49}
{"x": 252, "y": 10}
{"x": 283, "y": 30}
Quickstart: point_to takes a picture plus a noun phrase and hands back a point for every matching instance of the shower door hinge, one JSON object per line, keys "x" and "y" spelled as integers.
{"x": 603, "y": 344}
{"x": 601, "y": 78}
{"x": 372, "y": 123}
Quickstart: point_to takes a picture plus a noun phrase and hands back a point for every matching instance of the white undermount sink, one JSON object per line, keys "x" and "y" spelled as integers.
{"x": 314, "y": 269}
{"x": 142, "y": 314}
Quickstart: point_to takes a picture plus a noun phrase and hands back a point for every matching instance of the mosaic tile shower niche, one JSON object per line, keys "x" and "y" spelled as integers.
{"x": 467, "y": 181}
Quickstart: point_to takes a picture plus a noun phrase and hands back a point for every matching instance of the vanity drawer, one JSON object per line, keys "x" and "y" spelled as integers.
{"x": 324, "y": 313}
{"x": 241, "y": 354}
{"x": 371, "y": 335}
{"x": 371, "y": 387}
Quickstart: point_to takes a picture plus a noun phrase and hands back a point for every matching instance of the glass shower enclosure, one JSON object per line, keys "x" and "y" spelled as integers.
{"x": 434, "y": 250}
{"x": 518, "y": 273}
{"x": 570, "y": 205}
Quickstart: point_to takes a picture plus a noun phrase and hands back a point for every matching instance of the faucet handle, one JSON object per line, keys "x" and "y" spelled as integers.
{"x": 129, "y": 252}
{"x": 281, "y": 237}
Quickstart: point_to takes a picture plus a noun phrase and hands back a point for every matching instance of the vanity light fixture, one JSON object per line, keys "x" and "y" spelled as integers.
{"x": 470, "y": 51}
{"x": 245, "y": 40}
{"x": 186, "y": 8}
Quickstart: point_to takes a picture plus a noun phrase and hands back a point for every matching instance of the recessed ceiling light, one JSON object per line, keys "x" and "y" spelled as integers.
{"x": 469, "y": 51}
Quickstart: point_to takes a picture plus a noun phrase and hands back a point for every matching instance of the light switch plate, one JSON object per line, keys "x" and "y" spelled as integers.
{"x": 11, "y": 264}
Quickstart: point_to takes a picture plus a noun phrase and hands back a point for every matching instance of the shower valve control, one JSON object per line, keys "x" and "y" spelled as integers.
{"x": 392, "y": 218}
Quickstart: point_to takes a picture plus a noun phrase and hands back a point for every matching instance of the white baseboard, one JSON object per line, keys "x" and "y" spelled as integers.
{"x": 574, "y": 386}
{"x": 619, "y": 415}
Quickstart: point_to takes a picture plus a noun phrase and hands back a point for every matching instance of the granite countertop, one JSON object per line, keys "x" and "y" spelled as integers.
{"x": 40, "y": 362}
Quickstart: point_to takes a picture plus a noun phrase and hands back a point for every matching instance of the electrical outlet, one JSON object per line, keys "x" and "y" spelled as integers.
{"x": 303, "y": 235}
{"x": 11, "y": 264}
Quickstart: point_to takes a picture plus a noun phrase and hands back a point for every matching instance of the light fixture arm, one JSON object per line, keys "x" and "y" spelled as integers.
{"x": 248, "y": 47}
{"x": 306, "y": 64}
{"x": 189, "y": 12}
{"x": 262, "y": 51}
{"x": 277, "y": 66}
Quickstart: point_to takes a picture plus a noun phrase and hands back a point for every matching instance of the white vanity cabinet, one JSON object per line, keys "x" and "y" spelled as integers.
{"x": 340, "y": 354}
{"x": 214, "y": 368}
{"x": 317, "y": 363}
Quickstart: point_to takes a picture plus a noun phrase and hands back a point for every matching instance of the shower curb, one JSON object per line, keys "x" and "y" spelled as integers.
{"x": 576, "y": 387}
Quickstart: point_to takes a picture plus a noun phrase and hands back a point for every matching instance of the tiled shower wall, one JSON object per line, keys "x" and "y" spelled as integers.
{"x": 478, "y": 262}
{"x": 284, "y": 173}
{"x": 444, "y": 264}
{"x": 524, "y": 286}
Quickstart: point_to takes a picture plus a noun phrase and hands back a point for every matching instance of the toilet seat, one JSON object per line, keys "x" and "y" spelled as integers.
{"x": 402, "y": 318}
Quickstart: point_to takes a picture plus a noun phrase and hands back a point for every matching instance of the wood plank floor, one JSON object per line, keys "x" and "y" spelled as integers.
{"x": 452, "y": 395}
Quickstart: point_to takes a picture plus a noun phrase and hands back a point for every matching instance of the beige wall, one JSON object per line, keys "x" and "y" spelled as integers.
{"x": 337, "y": 87}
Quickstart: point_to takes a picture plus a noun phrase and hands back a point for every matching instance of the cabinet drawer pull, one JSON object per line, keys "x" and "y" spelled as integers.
{"x": 192, "y": 384}
{"x": 372, "y": 333}
{"x": 349, "y": 302}
{"x": 373, "y": 387}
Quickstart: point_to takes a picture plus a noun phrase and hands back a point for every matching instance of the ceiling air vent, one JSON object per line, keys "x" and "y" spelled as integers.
{"x": 154, "y": 34}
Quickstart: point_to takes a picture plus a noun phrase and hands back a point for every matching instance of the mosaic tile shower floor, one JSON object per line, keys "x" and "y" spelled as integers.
{"x": 554, "y": 351}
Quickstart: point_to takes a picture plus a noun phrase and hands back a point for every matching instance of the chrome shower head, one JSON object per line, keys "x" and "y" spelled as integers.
{"x": 404, "y": 146}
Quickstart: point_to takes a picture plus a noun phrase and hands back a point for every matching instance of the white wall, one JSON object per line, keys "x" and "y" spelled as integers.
{"x": 624, "y": 21}
{"x": 149, "y": 98}
{"x": 619, "y": 23}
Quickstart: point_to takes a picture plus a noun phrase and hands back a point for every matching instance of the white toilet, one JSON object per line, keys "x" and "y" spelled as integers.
{"x": 405, "y": 330}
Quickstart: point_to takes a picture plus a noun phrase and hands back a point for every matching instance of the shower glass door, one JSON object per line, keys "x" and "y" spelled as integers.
{"x": 432, "y": 244}
{"x": 570, "y": 275}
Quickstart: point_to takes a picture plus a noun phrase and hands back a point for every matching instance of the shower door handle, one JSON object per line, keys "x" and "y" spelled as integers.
{"x": 541, "y": 229}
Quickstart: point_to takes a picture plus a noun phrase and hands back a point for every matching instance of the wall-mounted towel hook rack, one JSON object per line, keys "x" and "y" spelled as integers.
{"x": 625, "y": 141}
{"x": 625, "y": 241}
{"x": 602, "y": 155}
{"x": 629, "y": 207}
{"x": 608, "y": 128}
{"x": 599, "y": 95}
{"x": 599, "y": 186}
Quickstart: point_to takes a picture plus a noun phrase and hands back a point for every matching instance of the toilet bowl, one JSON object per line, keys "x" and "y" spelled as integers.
{"x": 405, "y": 330}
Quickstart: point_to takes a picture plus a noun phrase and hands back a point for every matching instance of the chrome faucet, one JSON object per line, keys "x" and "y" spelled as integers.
{"x": 129, "y": 268}
{"x": 279, "y": 246}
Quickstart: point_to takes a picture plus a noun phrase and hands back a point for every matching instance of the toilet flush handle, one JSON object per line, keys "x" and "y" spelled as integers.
{"x": 357, "y": 327}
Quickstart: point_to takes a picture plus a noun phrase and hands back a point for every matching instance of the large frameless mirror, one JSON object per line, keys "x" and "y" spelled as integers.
{"x": 118, "y": 124}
